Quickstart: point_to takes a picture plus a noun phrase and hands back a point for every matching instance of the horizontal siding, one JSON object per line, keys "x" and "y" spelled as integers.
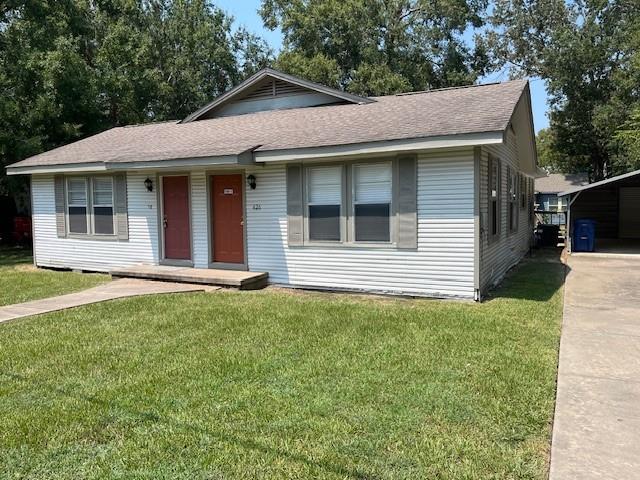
{"x": 97, "y": 255}
{"x": 442, "y": 265}
{"x": 200, "y": 222}
{"x": 501, "y": 254}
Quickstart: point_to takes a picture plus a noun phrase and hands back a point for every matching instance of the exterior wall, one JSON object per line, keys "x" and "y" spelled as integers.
{"x": 143, "y": 245}
{"x": 502, "y": 253}
{"x": 442, "y": 265}
{"x": 97, "y": 255}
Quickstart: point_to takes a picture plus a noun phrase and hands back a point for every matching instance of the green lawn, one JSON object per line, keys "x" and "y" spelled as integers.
{"x": 274, "y": 384}
{"x": 21, "y": 282}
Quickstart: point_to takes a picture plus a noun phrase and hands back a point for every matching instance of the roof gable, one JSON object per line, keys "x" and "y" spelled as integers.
{"x": 272, "y": 90}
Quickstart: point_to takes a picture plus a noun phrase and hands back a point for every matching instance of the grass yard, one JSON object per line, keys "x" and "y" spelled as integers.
{"x": 21, "y": 282}
{"x": 275, "y": 384}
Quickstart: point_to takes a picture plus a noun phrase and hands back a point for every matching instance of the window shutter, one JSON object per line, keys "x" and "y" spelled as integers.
{"x": 120, "y": 205}
{"x": 407, "y": 203}
{"x": 58, "y": 186}
{"x": 294, "y": 205}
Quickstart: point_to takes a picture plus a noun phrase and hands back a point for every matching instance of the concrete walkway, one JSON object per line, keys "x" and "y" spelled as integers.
{"x": 126, "y": 287}
{"x": 596, "y": 432}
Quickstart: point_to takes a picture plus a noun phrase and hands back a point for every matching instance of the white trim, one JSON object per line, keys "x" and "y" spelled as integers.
{"x": 75, "y": 168}
{"x": 382, "y": 147}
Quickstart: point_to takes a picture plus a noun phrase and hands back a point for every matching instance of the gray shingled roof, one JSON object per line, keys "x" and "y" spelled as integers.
{"x": 475, "y": 109}
{"x": 559, "y": 182}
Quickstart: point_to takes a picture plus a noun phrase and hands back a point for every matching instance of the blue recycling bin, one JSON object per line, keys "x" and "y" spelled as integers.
{"x": 584, "y": 235}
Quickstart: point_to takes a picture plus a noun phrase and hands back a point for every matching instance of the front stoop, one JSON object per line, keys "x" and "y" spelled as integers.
{"x": 241, "y": 280}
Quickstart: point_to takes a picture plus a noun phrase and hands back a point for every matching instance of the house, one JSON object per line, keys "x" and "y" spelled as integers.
{"x": 549, "y": 186}
{"x": 614, "y": 205}
{"x": 425, "y": 193}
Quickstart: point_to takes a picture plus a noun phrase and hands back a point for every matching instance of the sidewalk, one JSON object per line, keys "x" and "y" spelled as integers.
{"x": 126, "y": 287}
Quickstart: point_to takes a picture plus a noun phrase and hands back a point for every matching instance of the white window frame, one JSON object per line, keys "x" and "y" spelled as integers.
{"x": 88, "y": 185}
{"x": 307, "y": 204}
{"x": 353, "y": 203}
{"x": 68, "y": 205}
{"x": 94, "y": 205}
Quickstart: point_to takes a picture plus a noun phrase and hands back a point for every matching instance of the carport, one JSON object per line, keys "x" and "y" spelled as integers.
{"x": 614, "y": 204}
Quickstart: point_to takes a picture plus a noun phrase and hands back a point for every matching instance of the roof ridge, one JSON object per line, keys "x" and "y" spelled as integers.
{"x": 142, "y": 124}
{"x": 459, "y": 87}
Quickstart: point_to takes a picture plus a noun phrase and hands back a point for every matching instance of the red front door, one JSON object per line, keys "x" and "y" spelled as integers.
{"x": 228, "y": 228}
{"x": 175, "y": 209}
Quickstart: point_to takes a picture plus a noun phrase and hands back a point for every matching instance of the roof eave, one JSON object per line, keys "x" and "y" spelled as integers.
{"x": 383, "y": 147}
{"x": 243, "y": 158}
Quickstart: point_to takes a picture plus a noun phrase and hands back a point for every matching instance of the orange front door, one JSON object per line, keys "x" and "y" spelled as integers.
{"x": 175, "y": 221}
{"x": 227, "y": 218}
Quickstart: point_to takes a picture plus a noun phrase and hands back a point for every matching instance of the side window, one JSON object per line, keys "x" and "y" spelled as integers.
{"x": 324, "y": 203}
{"x": 512, "y": 208}
{"x": 372, "y": 192}
{"x": 103, "y": 205}
{"x": 494, "y": 196}
{"x": 77, "y": 208}
{"x": 524, "y": 191}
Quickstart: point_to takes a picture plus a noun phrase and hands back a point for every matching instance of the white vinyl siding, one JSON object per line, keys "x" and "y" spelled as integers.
{"x": 499, "y": 254}
{"x": 96, "y": 254}
{"x": 441, "y": 266}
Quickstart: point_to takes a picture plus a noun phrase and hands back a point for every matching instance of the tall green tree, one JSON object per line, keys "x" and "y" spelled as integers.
{"x": 71, "y": 68}
{"x": 581, "y": 49}
{"x": 375, "y": 47}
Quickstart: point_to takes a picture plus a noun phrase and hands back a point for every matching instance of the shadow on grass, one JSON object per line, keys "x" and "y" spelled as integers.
{"x": 12, "y": 256}
{"x": 153, "y": 417}
{"x": 536, "y": 278}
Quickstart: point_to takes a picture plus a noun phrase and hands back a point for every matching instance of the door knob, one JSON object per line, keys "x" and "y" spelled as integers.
{"x": 164, "y": 222}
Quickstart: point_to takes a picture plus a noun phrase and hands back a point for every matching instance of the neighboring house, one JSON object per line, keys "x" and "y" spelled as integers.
{"x": 426, "y": 193}
{"x": 549, "y": 186}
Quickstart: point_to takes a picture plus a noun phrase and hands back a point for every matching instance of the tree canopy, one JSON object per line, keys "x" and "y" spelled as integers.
{"x": 377, "y": 47}
{"x": 71, "y": 68}
{"x": 587, "y": 53}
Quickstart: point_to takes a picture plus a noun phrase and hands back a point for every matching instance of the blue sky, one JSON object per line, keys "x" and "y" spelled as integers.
{"x": 245, "y": 13}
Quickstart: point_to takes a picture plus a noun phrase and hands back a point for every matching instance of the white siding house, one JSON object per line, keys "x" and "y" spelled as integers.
{"x": 399, "y": 204}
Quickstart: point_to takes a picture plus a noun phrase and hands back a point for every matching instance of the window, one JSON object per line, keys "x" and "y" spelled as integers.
{"x": 90, "y": 208}
{"x": 512, "y": 190}
{"x": 77, "y": 205}
{"x": 372, "y": 192}
{"x": 523, "y": 191}
{"x": 324, "y": 203}
{"x": 494, "y": 196}
{"x": 531, "y": 195}
{"x": 103, "y": 206}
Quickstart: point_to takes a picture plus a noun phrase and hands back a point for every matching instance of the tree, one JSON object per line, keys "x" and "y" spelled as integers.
{"x": 72, "y": 68}
{"x": 376, "y": 47}
{"x": 580, "y": 48}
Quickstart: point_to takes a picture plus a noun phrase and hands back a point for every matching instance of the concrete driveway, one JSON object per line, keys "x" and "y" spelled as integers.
{"x": 596, "y": 432}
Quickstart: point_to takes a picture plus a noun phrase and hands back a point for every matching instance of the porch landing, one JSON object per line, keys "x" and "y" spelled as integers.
{"x": 242, "y": 280}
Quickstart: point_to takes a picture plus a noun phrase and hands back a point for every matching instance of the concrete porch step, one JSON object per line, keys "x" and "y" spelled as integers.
{"x": 240, "y": 279}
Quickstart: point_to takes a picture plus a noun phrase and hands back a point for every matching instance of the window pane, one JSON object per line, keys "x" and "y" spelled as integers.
{"x": 78, "y": 219}
{"x": 325, "y": 185}
{"x": 372, "y": 183}
{"x": 102, "y": 191}
{"x": 324, "y": 222}
{"x": 103, "y": 220}
{"x": 372, "y": 222}
{"x": 77, "y": 194}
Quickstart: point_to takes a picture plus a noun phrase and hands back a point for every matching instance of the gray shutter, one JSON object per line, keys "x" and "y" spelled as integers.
{"x": 295, "y": 220}
{"x": 407, "y": 203}
{"x": 58, "y": 186}
{"x": 120, "y": 205}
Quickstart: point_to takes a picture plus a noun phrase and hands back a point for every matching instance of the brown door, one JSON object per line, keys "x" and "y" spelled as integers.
{"x": 175, "y": 209}
{"x": 227, "y": 218}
